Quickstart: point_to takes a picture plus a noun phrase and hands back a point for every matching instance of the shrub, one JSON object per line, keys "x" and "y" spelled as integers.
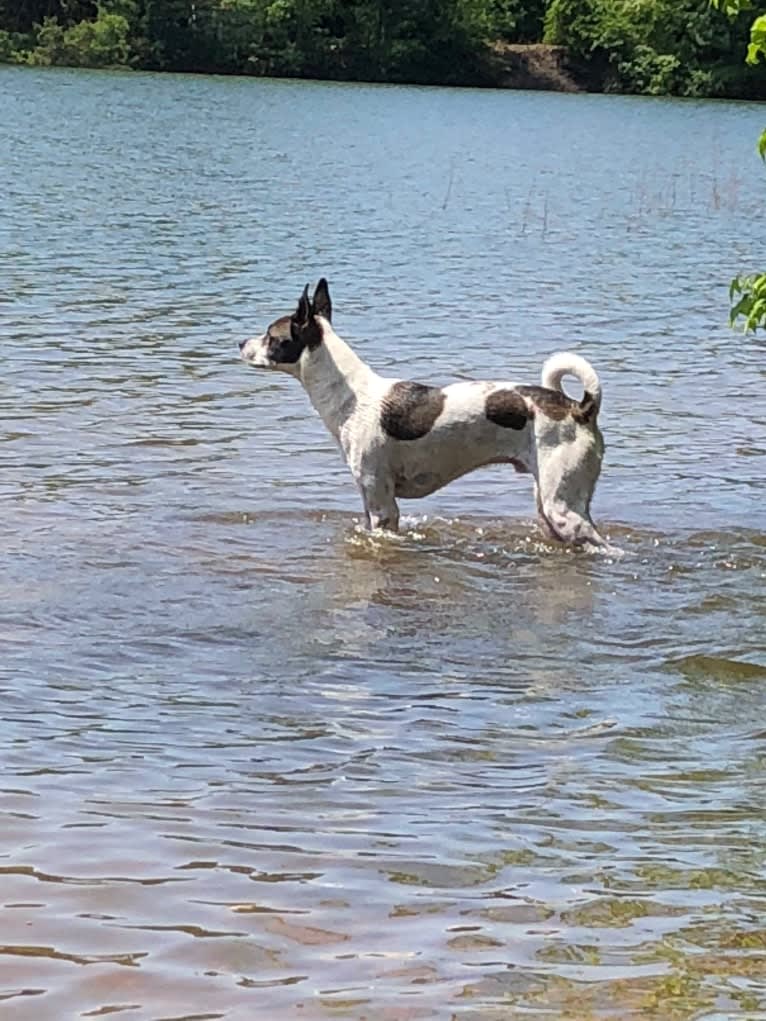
{"x": 49, "y": 45}
{"x": 7, "y": 48}
{"x": 100, "y": 43}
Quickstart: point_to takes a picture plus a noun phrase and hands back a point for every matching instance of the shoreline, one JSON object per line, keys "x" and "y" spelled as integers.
{"x": 515, "y": 66}
{"x": 537, "y": 67}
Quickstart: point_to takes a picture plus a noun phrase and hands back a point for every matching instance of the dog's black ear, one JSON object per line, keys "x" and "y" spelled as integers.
{"x": 302, "y": 313}
{"x": 322, "y": 304}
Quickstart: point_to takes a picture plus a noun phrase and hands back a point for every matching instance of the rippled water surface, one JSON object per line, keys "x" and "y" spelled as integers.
{"x": 259, "y": 765}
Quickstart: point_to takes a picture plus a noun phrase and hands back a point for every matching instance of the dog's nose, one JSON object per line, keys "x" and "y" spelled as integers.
{"x": 242, "y": 344}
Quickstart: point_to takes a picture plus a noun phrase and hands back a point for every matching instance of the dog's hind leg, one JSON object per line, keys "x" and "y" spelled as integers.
{"x": 562, "y": 520}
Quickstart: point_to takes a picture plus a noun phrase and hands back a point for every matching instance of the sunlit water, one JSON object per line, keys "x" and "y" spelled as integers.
{"x": 259, "y": 765}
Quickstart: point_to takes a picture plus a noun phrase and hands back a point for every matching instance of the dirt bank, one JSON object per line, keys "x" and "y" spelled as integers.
{"x": 533, "y": 66}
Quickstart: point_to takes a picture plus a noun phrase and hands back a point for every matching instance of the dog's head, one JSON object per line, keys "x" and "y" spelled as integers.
{"x": 290, "y": 338}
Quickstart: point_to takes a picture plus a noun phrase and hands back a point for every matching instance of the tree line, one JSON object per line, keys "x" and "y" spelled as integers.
{"x": 680, "y": 47}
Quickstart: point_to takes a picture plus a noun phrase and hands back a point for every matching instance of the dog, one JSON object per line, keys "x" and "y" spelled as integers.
{"x": 406, "y": 440}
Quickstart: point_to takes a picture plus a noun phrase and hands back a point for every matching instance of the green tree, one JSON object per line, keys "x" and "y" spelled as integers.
{"x": 508, "y": 20}
{"x": 50, "y": 44}
{"x": 99, "y": 43}
{"x": 680, "y": 47}
{"x": 23, "y": 15}
{"x": 102, "y": 42}
{"x": 750, "y": 290}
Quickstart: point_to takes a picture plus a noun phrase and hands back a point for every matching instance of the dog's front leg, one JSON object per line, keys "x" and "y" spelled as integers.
{"x": 387, "y": 519}
{"x": 380, "y": 506}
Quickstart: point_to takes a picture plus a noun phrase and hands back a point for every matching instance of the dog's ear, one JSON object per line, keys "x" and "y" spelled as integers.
{"x": 303, "y": 312}
{"x": 321, "y": 303}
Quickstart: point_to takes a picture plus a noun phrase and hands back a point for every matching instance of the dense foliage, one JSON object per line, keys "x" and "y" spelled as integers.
{"x": 676, "y": 46}
{"x": 750, "y": 291}
{"x": 681, "y": 47}
{"x": 393, "y": 40}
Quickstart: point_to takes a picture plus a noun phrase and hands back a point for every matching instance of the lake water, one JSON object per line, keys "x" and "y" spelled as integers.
{"x": 259, "y": 765}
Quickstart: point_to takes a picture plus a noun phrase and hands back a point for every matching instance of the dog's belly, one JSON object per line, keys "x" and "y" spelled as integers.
{"x": 443, "y": 455}
{"x": 415, "y": 486}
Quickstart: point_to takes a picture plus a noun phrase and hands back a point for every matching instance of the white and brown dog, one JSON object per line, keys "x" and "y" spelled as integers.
{"x": 403, "y": 439}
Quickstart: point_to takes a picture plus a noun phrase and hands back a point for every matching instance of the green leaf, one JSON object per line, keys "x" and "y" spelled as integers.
{"x": 732, "y": 7}
{"x": 752, "y": 303}
{"x": 757, "y": 47}
{"x": 742, "y": 308}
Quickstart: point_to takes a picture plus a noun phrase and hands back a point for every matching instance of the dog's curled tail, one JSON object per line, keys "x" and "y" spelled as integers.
{"x": 565, "y": 363}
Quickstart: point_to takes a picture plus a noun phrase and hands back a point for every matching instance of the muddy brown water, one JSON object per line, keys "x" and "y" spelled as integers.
{"x": 259, "y": 765}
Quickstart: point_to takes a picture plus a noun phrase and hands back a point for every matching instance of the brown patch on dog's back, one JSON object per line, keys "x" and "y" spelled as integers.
{"x": 556, "y": 405}
{"x": 507, "y": 408}
{"x": 409, "y": 410}
{"x": 553, "y": 403}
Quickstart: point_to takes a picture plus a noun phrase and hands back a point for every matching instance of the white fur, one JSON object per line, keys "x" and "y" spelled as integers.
{"x": 567, "y": 364}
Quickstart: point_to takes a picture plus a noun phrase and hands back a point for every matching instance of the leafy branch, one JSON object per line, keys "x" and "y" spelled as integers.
{"x": 751, "y": 303}
{"x": 751, "y": 289}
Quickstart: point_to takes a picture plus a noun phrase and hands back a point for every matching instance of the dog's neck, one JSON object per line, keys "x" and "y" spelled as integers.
{"x": 334, "y": 377}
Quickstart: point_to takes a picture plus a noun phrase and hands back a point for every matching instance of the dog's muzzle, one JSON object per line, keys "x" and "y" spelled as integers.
{"x": 248, "y": 351}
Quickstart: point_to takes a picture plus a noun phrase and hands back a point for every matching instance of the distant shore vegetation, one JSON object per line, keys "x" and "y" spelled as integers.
{"x": 657, "y": 47}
